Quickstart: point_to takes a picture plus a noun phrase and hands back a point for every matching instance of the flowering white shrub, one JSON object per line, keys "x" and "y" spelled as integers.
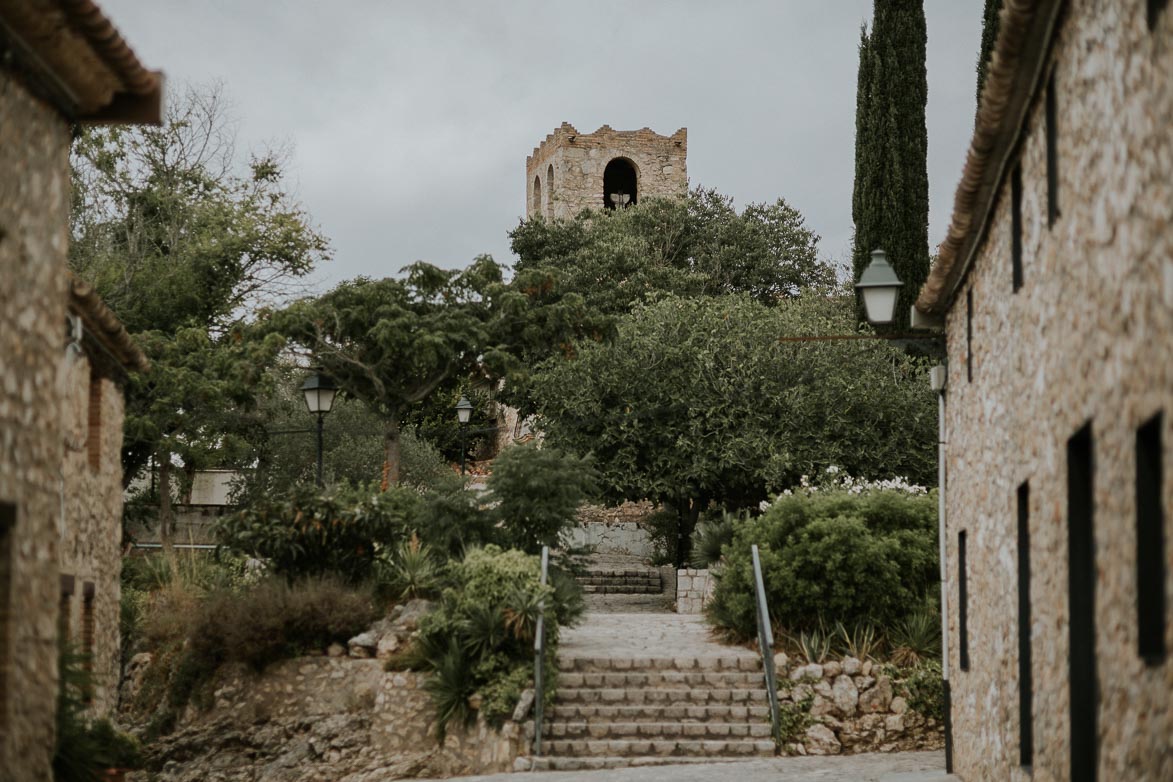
{"x": 834, "y": 479}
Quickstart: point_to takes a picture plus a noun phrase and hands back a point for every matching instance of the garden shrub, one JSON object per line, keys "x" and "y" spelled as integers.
{"x": 831, "y": 556}
{"x": 480, "y": 637}
{"x": 713, "y": 532}
{"x": 537, "y": 492}
{"x": 450, "y": 519}
{"x": 312, "y": 532}
{"x": 926, "y": 689}
{"x": 85, "y": 748}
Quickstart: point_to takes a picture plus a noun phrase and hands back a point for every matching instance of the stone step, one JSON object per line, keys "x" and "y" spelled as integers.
{"x": 548, "y": 763}
{"x": 621, "y": 589}
{"x": 660, "y": 747}
{"x": 622, "y": 696}
{"x": 696, "y": 731}
{"x": 746, "y": 662}
{"x": 610, "y": 572}
{"x": 667, "y": 679}
{"x": 656, "y": 712}
{"x": 597, "y": 578}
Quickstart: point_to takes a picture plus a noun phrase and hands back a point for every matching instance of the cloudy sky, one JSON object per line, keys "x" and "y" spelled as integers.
{"x": 409, "y": 121}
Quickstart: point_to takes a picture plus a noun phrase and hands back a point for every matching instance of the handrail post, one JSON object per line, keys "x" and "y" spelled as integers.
{"x": 539, "y": 657}
{"x": 766, "y": 645}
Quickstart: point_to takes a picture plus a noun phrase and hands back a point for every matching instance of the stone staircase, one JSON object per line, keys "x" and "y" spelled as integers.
{"x": 620, "y": 583}
{"x": 620, "y": 711}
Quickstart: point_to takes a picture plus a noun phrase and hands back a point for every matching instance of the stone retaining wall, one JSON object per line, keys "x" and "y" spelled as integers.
{"x": 693, "y": 590}
{"x": 615, "y": 530}
{"x": 337, "y": 718}
{"x": 848, "y": 707}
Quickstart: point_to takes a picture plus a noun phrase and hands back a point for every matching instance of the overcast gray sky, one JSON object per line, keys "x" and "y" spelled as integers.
{"x": 409, "y": 121}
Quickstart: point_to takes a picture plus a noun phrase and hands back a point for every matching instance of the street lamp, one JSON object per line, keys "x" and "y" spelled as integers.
{"x": 880, "y": 288}
{"x": 463, "y": 411}
{"x": 319, "y": 392}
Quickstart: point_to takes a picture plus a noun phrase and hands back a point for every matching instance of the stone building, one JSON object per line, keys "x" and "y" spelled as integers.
{"x": 1055, "y": 288}
{"x": 61, "y": 62}
{"x": 572, "y": 171}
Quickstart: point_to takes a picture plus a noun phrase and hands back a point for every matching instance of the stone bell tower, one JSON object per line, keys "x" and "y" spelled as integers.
{"x": 572, "y": 171}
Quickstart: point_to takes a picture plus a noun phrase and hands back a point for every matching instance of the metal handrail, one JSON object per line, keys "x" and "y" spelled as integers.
{"x": 766, "y": 645}
{"x": 540, "y": 657}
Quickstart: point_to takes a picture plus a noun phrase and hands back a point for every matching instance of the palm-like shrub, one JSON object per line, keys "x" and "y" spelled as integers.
{"x": 411, "y": 571}
{"x": 915, "y": 638}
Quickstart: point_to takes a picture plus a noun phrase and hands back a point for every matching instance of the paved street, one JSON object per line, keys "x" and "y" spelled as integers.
{"x": 896, "y": 767}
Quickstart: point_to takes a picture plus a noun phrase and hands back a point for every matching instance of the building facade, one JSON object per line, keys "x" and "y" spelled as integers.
{"x": 62, "y": 62}
{"x": 571, "y": 171}
{"x": 1055, "y": 289}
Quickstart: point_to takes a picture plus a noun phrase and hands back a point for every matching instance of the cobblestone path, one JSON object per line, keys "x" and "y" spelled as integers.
{"x": 899, "y": 767}
{"x": 644, "y": 635}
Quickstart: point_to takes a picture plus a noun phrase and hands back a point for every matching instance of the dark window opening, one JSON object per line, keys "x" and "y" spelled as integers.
{"x": 1150, "y": 543}
{"x": 550, "y": 192}
{"x": 65, "y": 609}
{"x": 87, "y": 634}
{"x": 1025, "y": 679}
{"x": 1155, "y": 7}
{"x": 536, "y": 205}
{"x": 962, "y": 605}
{"x": 1052, "y": 155}
{"x": 1081, "y": 606}
{"x": 969, "y": 334}
{"x": 1016, "y": 226}
{"x": 7, "y": 522}
{"x": 94, "y": 424}
{"x": 619, "y": 179}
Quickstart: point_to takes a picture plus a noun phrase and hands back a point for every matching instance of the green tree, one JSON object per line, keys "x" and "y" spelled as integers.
{"x": 990, "y": 20}
{"x": 537, "y": 492}
{"x": 698, "y": 401}
{"x": 890, "y": 203}
{"x": 392, "y": 342}
{"x": 181, "y": 241}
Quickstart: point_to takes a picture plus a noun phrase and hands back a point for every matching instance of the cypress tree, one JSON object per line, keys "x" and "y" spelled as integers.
{"x": 989, "y": 36}
{"x": 891, "y": 197}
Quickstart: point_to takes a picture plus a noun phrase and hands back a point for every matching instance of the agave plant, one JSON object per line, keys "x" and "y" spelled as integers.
{"x": 412, "y": 571}
{"x": 916, "y": 637}
{"x": 450, "y": 686}
{"x": 521, "y": 611}
{"x": 861, "y": 641}
{"x": 813, "y": 645}
{"x": 483, "y": 630}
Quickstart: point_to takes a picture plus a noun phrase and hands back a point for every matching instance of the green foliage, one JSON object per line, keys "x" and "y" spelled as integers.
{"x": 890, "y": 203}
{"x": 312, "y": 532}
{"x": 85, "y": 749}
{"x": 710, "y": 537}
{"x": 410, "y": 572}
{"x": 861, "y": 640}
{"x": 450, "y": 518}
{"x": 990, "y": 24}
{"x": 814, "y": 644}
{"x": 915, "y": 638}
{"x": 697, "y": 401}
{"x": 834, "y": 556}
{"x": 480, "y": 637}
{"x": 537, "y": 492}
{"x": 390, "y": 343}
{"x": 926, "y": 689}
{"x": 795, "y": 718}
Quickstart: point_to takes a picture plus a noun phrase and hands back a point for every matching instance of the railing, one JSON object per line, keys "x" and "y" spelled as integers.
{"x": 766, "y": 644}
{"x": 540, "y": 658}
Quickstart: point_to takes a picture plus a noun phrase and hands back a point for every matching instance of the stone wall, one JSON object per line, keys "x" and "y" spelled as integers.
{"x": 693, "y": 589}
{"x": 90, "y": 553}
{"x": 34, "y": 218}
{"x": 323, "y": 717}
{"x": 615, "y": 530}
{"x": 849, "y": 707}
{"x": 577, "y": 160}
{"x": 1088, "y": 338}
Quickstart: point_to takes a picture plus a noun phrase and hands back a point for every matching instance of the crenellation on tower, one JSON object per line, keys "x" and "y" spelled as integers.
{"x": 570, "y": 171}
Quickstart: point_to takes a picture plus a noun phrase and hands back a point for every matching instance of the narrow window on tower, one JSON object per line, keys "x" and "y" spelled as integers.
{"x": 94, "y": 424}
{"x": 1016, "y": 226}
{"x": 65, "y": 610}
{"x": 962, "y": 605}
{"x": 1150, "y": 543}
{"x": 87, "y": 633}
{"x": 7, "y": 522}
{"x": 969, "y": 334}
{"x": 1052, "y": 155}
{"x": 1025, "y": 681}
{"x": 1083, "y": 702}
{"x": 1155, "y": 7}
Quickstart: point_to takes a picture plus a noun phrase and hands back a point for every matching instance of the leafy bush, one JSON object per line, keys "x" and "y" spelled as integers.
{"x": 480, "y": 637}
{"x": 711, "y": 535}
{"x": 450, "y": 518}
{"x": 537, "y": 493}
{"x": 831, "y": 556}
{"x": 926, "y": 689}
{"x": 661, "y": 527}
{"x": 312, "y": 532}
{"x": 410, "y": 571}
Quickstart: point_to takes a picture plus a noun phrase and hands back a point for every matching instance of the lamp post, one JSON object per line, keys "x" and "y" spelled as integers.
{"x": 463, "y": 411}
{"x": 319, "y": 392}
{"x": 880, "y": 288}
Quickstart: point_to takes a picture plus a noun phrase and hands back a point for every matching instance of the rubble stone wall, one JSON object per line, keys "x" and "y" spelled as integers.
{"x": 34, "y": 218}
{"x": 615, "y": 530}
{"x": 1088, "y": 338}
{"x": 578, "y": 160}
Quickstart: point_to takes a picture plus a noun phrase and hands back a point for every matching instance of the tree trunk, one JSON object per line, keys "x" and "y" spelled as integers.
{"x": 165, "y": 520}
{"x": 391, "y": 453}
{"x": 688, "y": 510}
